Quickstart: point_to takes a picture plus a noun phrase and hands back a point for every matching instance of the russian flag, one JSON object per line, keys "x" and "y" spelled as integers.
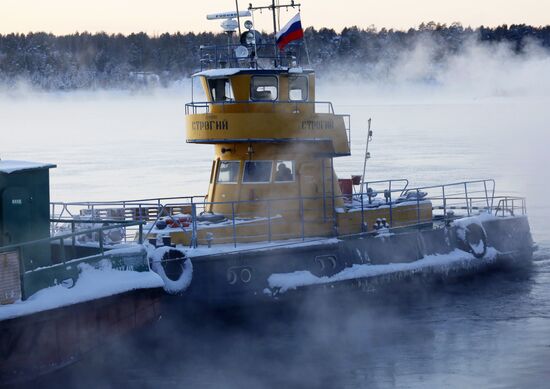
{"x": 290, "y": 32}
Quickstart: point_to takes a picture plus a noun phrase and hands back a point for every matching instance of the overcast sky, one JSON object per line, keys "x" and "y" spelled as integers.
{"x": 155, "y": 17}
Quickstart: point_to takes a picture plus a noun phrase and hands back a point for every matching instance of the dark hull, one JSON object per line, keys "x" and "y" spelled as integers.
{"x": 223, "y": 279}
{"x": 40, "y": 343}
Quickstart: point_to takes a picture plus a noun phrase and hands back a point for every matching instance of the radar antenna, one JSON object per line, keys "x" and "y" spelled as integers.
{"x": 229, "y": 24}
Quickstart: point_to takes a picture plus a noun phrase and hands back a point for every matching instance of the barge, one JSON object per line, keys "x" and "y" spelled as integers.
{"x": 60, "y": 299}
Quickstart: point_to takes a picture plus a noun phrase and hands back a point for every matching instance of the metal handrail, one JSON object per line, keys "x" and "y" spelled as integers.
{"x": 390, "y": 183}
{"x": 193, "y": 106}
{"x": 463, "y": 196}
{"x": 71, "y": 235}
{"x": 191, "y": 199}
{"x": 110, "y": 202}
{"x": 222, "y": 56}
{"x": 504, "y": 207}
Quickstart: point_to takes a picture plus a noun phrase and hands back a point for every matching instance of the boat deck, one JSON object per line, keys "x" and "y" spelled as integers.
{"x": 187, "y": 215}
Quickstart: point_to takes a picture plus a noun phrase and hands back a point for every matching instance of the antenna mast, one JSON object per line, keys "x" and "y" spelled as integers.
{"x": 273, "y": 8}
{"x": 367, "y": 156}
{"x": 238, "y": 15}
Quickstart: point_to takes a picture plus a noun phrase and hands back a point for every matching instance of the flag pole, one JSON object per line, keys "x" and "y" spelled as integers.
{"x": 305, "y": 46}
{"x": 274, "y": 7}
{"x": 274, "y": 32}
{"x": 238, "y": 16}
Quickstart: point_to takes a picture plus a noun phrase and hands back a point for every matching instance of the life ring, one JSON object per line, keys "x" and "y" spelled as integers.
{"x": 473, "y": 239}
{"x": 175, "y": 269}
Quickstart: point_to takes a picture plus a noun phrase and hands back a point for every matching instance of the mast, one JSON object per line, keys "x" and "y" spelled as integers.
{"x": 238, "y": 16}
{"x": 274, "y": 19}
{"x": 273, "y": 8}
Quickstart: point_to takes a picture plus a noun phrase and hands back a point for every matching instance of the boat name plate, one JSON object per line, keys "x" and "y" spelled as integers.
{"x": 206, "y": 125}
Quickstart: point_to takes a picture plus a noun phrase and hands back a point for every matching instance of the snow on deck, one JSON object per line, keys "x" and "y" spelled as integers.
{"x": 10, "y": 166}
{"x": 283, "y": 282}
{"x": 483, "y": 216}
{"x": 220, "y": 72}
{"x": 92, "y": 284}
{"x": 227, "y": 248}
{"x": 356, "y": 206}
{"x": 203, "y": 225}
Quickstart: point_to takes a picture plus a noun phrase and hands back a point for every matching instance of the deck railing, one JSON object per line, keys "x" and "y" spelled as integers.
{"x": 201, "y": 107}
{"x": 260, "y": 55}
{"x": 67, "y": 252}
{"x": 398, "y": 185}
{"x": 448, "y": 202}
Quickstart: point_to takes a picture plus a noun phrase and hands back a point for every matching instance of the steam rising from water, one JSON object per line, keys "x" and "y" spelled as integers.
{"x": 427, "y": 73}
{"x": 480, "y": 113}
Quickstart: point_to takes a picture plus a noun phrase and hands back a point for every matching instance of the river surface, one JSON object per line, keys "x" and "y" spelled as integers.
{"x": 490, "y": 331}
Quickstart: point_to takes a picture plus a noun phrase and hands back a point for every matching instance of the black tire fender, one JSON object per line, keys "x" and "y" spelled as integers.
{"x": 473, "y": 240}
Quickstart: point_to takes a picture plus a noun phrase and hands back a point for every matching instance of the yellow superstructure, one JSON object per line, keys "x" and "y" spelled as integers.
{"x": 273, "y": 167}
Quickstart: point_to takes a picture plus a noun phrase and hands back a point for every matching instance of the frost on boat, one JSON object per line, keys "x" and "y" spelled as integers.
{"x": 276, "y": 216}
{"x": 93, "y": 282}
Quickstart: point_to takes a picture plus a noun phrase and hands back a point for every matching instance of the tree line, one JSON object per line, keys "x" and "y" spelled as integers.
{"x": 84, "y": 60}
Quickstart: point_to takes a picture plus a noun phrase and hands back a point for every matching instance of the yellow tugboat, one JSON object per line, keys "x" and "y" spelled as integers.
{"x": 274, "y": 149}
{"x": 277, "y": 217}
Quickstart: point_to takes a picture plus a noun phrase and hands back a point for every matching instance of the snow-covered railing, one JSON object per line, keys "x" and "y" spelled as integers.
{"x": 67, "y": 253}
{"x": 464, "y": 195}
{"x": 396, "y": 185}
{"x": 510, "y": 205}
{"x": 201, "y": 107}
{"x": 141, "y": 209}
{"x": 104, "y": 232}
{"x": 446, "y": 203}
{"x": 468, "y": 191}
{"x": 82, "y": 215}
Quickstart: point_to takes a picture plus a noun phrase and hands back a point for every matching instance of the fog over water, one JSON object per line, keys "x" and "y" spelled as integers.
{"x": 481, "y": 114}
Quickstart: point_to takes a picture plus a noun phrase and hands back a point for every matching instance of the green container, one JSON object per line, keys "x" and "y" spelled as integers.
{"x": 25, "y": 209}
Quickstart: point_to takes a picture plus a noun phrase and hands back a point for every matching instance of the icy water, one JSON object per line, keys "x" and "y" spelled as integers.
{"x": 491, "y": 331}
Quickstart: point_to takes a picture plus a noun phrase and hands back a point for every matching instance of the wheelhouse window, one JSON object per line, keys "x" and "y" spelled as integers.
{"x": 284, "y": 171}
{"x": 297, "y": 88}
{"x": 229, "y": 172}
{"x": 220, "y": 89}
{"x": 257, "y": 171}
{"x": 264, "y": 88}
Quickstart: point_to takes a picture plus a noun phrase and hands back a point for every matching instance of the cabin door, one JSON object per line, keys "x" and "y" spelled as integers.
{"x": 311, "y": 190}
{"x": 16, "y": 215}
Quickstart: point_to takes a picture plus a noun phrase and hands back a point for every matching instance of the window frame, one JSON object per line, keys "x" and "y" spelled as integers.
{"x": 267, "y": 76}
{"x": 227, "y": 98}
{"x": 275, "y": 171}
{"x": 306, "y": 98}
{"x": 258, "y": 182}
{"x": 220, "y": 170}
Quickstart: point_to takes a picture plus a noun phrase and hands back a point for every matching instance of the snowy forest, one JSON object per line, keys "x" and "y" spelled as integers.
{"x": 91, "y": 61}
